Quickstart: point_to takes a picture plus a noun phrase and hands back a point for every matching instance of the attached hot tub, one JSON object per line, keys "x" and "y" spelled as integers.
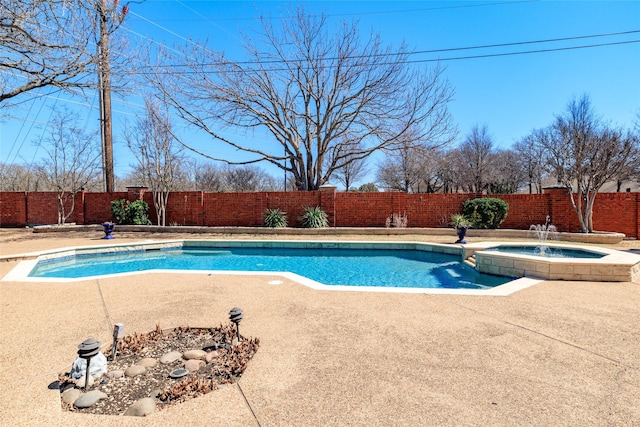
{"x": 556, "y": 262}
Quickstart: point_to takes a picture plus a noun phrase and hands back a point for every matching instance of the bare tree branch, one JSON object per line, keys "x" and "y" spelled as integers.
{"x": 313, "y": 92}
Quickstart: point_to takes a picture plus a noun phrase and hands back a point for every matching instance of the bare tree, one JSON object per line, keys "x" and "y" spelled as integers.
{"x": 507, "y": 174}
{"x": 531, "y": 156}
{"x": 158, "y": 154}
{"x": 353, "y": 170}
{"x": 474, "y": 156}
{"x": 210, "y": 177}
{"x": 72, "y": 161}
{"x": 248, "y": 178}
{"x": 584, "y": 154}
{"x": 50, "y": 43}
{"x": 313, "y": 91}
{"x": 15, "y": 177}
{"x": 402, "y": 169}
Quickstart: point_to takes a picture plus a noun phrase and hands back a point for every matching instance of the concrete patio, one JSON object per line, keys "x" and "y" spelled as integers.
{"x": 557, "y": 353}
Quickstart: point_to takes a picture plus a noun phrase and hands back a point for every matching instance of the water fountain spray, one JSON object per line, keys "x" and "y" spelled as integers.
{"x": 542, "y": 232}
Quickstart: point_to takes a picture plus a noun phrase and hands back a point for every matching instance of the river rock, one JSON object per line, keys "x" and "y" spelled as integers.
{"x": 147, "y": 362}
{"x": 89, "y": 399}
{"x": 134, "y": 370}
{"x": 211, "y": 355}
{"x": 194, "y": 364}
{"x": 70, "y": 395}
{"x": 141, "y": 407}
{"x": 114, "y": 375}
{"x": 81, "y": 382}
{"x": 98, "y": 366}
{"x": 195, "y": 354}
{"x": 170, "y": 357}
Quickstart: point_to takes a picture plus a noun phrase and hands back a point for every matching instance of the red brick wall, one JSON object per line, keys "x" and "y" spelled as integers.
{"x": 13, "y": 209}
{"x": 526, "y": 209}
{"x": 618, "y": 212}
{"x": 42, "y": 208}
{"x": 97, "y": 206}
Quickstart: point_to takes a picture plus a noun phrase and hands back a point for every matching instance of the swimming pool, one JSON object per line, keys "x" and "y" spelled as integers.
{"x": 331, "y": 264}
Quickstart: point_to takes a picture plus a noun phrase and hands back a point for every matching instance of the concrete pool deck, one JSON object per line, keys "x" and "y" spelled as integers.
{"x": 557, "y": 353}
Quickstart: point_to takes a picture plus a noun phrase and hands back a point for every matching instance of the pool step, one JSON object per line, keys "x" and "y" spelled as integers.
{"x": 471, "y": 261}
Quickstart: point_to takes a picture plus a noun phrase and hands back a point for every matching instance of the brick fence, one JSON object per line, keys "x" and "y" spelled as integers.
{"x": 616, "y": 212}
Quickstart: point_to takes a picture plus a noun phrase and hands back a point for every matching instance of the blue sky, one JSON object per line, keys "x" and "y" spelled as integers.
{"x": 511, "y": 94}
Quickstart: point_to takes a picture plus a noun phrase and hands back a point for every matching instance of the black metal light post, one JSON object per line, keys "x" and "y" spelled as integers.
{"x": 118, "y": 332}
{"x": 86, "y": 350}
{"x": 235, "y": 315}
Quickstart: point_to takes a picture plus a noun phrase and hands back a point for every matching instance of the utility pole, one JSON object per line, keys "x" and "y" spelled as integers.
{"x": 104, "y": 82}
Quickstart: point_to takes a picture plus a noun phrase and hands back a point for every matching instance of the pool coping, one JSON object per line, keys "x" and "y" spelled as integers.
{"x": 20, "y": 273}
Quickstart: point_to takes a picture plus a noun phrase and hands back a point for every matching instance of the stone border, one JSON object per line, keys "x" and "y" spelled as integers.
{"x": 593, "y": 238}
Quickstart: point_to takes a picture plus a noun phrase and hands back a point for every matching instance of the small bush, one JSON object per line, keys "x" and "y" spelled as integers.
{"x": 274, "y": 218}
{"x": 314, "y": 217}
{"x": 131, "y": 213}
{"x": 485, "y": 212}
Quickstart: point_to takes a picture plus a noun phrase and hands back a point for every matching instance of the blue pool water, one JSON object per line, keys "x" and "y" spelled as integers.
{"x": 352, "y": 267}
{"x": 549, "y": 252}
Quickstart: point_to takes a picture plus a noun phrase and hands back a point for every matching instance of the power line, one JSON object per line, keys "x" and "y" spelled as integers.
{"x": 490, "y": 55}
{"x": 453, "y": 49}
{"x": 417, "y": 61}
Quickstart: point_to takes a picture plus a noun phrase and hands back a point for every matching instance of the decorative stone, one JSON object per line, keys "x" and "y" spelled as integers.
{"x": 141, "y": 407}
{"x": 147, "y": 362}
{"x": 70, "y": 395}
{"x": 155, "y": 393}
{"x": 134, "y": 370}
{"x": 178, "y": 373}
{"x": 80, "y": 382}
{"x": 170, "y": 357}
{"x": 114, "y": 375}
{"x": 195, "y": 354}
{"x": 211, "y": 355}
{"x": 194, "y": 364}
{"x": 98, "y": 366}
{"x": 89, "y": 399}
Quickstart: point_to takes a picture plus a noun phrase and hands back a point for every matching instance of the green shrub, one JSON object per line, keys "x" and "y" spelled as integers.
{"x": 314, "y": 217}
{"x": 485, "y": 212}
{"x": 131, "y": 213}
{"x": 274, "y": 218}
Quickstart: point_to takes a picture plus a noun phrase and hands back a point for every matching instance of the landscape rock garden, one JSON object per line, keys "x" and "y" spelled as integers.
{"x": 156, "y": 369}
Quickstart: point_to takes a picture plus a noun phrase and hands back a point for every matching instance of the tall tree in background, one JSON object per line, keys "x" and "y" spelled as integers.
{"x": 43, "y": 43}
{"x": 71, "y": 163}
{"x": 473, "y": 159}
{"x": 316, "y": 92}
{"x": 531, "y": 156}
{"x": 584, "y": 153}
{"x": 15, "y": 177}
{"x": 353, "y": 169}
{"x": 50, "y": 43}
{"x": 402, "y": 169}
{"x": 60, "y": 44}
{"x": 158, "y": 154}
